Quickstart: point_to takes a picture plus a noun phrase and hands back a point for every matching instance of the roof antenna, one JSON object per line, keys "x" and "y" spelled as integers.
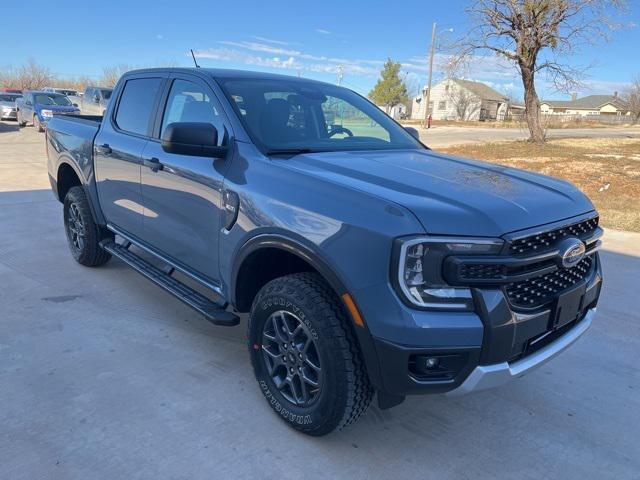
{"x": 194, "y": 58}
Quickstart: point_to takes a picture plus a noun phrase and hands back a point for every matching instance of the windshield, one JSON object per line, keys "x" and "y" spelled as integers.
{"x": 293, "y": 115}
{"x": 6, "y": 98}
{"x": 52, "y": 99}
{"x": 106, "y": 93}
{"x": 68, "y": 92}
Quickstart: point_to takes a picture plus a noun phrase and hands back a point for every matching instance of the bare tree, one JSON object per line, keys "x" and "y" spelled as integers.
{"x": 534, "y": 35}
{"x": 465, "y": 103}
{"x": 29, "y": 76}
{"x": 111, "y": 75}
{"x": 631, "y": 99}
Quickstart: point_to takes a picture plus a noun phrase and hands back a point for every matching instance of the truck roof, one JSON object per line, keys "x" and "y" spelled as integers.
{"x": 225, "y": 73}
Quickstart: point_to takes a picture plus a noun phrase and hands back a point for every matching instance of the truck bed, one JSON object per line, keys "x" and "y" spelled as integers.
{"x": 70, "y": 141}
{"x": 87, "y": 119}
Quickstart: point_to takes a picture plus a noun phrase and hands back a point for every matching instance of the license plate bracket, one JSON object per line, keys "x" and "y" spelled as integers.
{"x": 568, "y": 306}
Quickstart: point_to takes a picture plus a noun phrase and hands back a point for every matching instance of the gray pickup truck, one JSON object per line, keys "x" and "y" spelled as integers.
{"x": 95, "y": 100}
{"x": 368, "y": 263}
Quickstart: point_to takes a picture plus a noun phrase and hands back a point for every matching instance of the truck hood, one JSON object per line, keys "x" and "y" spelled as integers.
{"x": 450, "y": 195}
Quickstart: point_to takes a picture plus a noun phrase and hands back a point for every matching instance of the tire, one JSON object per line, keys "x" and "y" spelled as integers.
{"x": 37, "y": 124}
{"x": 304, "y": 303}
{"x": 83, "y": 235}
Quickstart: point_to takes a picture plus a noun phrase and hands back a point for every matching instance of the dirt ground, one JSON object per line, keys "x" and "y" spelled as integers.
{"x": 607, "y": 170}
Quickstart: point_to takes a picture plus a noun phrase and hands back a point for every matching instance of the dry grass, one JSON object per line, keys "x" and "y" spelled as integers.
{"x": 550, "y": 124}
{"x": 607, "y": 170}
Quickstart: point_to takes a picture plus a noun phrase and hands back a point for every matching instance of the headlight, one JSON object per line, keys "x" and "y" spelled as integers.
{"x": 46, "y": 113}
{"x": 419, "y": 269}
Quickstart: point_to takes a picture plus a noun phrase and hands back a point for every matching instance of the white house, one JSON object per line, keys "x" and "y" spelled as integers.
{"x": 396, "y": 112}
{"x": 590, "y": 105}
{"x": 458, "y": 99}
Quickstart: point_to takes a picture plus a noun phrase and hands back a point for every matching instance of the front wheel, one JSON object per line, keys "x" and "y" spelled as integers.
{"x": 83, "y": 234}
{"x": 305, "y": 356}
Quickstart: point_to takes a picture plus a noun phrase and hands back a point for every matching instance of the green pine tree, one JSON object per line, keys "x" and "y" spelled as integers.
{"x": 390, "y": 90}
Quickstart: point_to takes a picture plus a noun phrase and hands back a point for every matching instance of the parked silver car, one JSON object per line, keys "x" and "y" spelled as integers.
{"x": 95, "y": 100}
{"x": 8, "y": 105}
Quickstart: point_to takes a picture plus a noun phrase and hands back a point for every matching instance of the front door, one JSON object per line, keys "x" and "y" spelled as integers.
{"x": 182, "y": 199}
{"x": 117, "y": 153}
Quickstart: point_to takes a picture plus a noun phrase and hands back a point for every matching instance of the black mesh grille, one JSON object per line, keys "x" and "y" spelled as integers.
{"x": 538, "y": 291}
{"x": 540, "y": 242}
{"x": 481, "y": 272}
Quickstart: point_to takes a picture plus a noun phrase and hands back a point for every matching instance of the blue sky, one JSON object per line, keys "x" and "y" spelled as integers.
{"x": 312, "y": 39}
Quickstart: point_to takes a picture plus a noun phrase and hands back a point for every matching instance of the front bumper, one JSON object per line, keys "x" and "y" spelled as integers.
{"x": 6, "y": 114}
{"x": 488, "y": 376}
{"x": 479, "y": 349}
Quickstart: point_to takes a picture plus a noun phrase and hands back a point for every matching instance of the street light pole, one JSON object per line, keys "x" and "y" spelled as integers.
{"x": 431, "y": 52}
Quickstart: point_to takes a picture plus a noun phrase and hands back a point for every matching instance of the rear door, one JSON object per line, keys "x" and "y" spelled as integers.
{"x": 182, "y": 200}
{"x": 27, "y": 107}
{"x": 118, "y": 147}
{"x": 87, "y": 99}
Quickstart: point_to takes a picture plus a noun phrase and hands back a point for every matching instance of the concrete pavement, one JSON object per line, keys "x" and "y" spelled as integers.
{"x": 105, "y": 376}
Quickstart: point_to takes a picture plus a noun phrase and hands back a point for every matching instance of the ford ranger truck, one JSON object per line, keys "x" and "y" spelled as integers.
{"x": 368, "y": 263}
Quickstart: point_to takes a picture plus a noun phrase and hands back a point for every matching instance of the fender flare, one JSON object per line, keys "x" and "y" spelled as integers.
{"x": 313, "y": 258}
{"x": 89, "y": 188}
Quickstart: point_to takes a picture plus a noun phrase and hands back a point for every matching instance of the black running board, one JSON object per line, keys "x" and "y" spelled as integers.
{"x": 214, "y": 312}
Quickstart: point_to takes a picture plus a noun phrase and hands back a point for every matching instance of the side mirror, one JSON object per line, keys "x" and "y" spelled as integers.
{"x": 413, "y": 132}
{"x": 96, "y": 99}
{"x": 75, "y": 104}
{"x": 198, "y": 139}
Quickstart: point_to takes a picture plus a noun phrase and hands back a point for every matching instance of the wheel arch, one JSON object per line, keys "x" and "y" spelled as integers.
{"x": 66, "y": 177}
{"x": 306, "y": 259}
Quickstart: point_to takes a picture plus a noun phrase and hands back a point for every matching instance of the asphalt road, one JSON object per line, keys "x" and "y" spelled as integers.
{"x": 105, "y": 376}
{"x": 450, "y": 135}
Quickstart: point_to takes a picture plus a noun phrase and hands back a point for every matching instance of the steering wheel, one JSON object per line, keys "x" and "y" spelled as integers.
{"x": 338, "y": 129}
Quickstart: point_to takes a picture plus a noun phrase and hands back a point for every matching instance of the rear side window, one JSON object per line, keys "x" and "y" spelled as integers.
{"x": 136, "y": 105}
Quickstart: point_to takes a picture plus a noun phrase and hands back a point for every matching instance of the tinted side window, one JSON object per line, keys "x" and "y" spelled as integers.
{"x": 136, "y": 105}
{"x": 189, "y": 102}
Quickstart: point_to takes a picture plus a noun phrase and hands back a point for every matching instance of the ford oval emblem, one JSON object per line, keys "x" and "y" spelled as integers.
{"x": 571, "y": 252}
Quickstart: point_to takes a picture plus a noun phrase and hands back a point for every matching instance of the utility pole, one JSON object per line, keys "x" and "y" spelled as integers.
{"x": 431, "y": 52}
{"x": 340, "y": 74}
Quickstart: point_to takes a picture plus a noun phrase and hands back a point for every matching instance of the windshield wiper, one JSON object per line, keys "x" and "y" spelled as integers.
{"x": 289, "y": 151}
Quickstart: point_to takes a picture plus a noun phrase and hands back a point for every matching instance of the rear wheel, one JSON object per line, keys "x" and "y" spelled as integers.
{"x": 305, "y": 356}
{"x": 83, "y": 234}
{"x": 37, "y": 124}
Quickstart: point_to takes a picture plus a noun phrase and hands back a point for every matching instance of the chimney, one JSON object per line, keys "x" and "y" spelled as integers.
{"x": 615, "y": 95}
{"x": 574, "y": 96}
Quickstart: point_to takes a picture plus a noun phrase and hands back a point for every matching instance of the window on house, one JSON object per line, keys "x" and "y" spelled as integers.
{"x": 442, "y": 105}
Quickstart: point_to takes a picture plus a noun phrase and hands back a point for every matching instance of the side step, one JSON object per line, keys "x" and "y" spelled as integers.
{"x": 212, "y": 311}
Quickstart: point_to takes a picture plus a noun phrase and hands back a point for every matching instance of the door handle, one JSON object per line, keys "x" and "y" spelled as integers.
{"x": 104, "y": 149}
{"x": 153, "y": 163}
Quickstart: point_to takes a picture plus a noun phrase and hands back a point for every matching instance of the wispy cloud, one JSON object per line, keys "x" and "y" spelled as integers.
{"x": 495, "y": 71}
{"x": 269, "y": 40}
{"x": 323, "y": 31}
{"x": 280, "y": 56}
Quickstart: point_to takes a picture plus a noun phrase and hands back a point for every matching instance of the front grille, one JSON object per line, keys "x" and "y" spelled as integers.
{"x": 541, "y": 290}
{"x": 482, "y": 271}
{"x": 542, "y": 241}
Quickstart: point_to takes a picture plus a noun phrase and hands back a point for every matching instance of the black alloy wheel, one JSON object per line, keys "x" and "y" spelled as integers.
{"x": 291, "y": 356}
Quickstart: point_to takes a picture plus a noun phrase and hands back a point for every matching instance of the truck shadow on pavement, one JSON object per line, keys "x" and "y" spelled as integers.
{"x": 9, "y": 127}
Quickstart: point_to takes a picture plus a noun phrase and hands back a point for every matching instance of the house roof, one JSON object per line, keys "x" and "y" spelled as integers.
{"x": 485, "y": 92}
{"x": 589, "y": 102}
